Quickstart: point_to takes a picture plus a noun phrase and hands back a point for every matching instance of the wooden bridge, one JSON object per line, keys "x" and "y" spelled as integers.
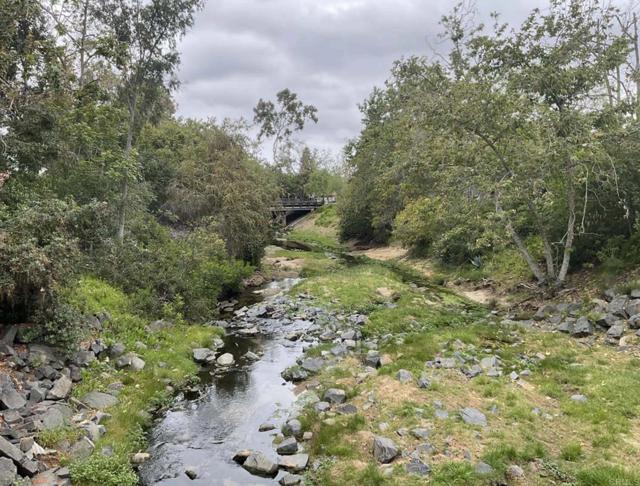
{"x": 290, "y": 209}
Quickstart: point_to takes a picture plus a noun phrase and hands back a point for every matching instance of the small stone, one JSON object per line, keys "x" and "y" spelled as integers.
{"x": 307, "y": 436}
{"x": 265, "y": 427}
{"x": 191, "y": 473}
{"x": 514, "y": 376}
{"x": 579, "y": 398}
{"x": 242, "y": 455}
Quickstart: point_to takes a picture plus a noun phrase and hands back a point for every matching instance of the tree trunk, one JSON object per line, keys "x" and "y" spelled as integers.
{"x": 568, "y": 244}
{"x": 636, "y": 51}
{"x": 548, "y": 252}
{"x": 522, "y": 248}
{"x": 125, "y": 182}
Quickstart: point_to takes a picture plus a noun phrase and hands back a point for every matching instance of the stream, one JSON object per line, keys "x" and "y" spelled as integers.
{"x": 203, "y": 434}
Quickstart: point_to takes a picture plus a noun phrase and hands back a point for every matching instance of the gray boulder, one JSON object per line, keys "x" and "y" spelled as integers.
{"x": 582, "y": 328}
{"x": 292, "y": 427}
{"x": 81, "y": 449}
{"x": 294, "y": 463}
{"x": 290, "y": 480}
{"x": 372, "y": 359}
{"x": 416, "y": 466}
{"x": 633, "y": 307}
{"x": 384, "y": 450}
{"x": 312, "y": 365}
{"x": 473, "y": 416}
{"x": 618, "y": 306}
{"x": 8, "y": 472}
{"x": 225, "y": 359}
{"x": 61, "y": 389}
{"x": 259, "y": 464}
{"x": 404, "y": 376}
{"x": 288, "y": 446}
{"x": 616, "y": 332}
{"x": 10, "y": 398}
{"x": 116, "y": 350}
{"x": 99, "y": 400}
{"x": 335, "y": 396}
{"x": 202, "y": 355}
{"x": 83, "y": 358}
{"x": 322, "y": 406}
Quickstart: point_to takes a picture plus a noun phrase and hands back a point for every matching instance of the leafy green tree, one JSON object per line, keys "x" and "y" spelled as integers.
{"x": 281, "y": 119}
{"x": 145, "y": 57}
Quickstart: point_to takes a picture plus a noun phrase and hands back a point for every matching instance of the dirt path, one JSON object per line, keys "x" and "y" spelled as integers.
{"x": 483, "y": 295}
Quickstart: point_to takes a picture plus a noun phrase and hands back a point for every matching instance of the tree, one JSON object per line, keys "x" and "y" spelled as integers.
{"x": 281, "y": 121}
{"x": 145, "y": 56}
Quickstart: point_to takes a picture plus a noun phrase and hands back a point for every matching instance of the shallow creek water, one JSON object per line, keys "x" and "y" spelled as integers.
{"x": 204, "y": 434}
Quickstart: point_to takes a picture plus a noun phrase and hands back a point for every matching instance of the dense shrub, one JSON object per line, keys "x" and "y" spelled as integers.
{"x": 39, "y": 253}
{"x": 189, "y": 271}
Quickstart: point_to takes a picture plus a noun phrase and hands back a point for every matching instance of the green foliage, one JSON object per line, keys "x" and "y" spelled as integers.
{"x": 571, "y": 452}
{"x": 607, "y": 476}
{"x": 497, "y": 146}
{"x": 102, "y": 470}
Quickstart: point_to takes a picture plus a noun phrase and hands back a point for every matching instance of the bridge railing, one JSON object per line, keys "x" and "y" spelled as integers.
{"x": 287, "y": 202}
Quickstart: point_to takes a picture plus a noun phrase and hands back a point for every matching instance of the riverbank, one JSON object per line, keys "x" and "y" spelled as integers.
{"x": 442, "y": 391}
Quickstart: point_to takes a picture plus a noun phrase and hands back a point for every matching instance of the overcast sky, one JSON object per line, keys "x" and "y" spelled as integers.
{"x": 331, "y": 52}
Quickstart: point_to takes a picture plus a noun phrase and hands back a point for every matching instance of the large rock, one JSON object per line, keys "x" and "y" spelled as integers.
{"x": 7, "y": 449}
{"x": 384, "y": 450}
{"x": 582, "y": 328}
{"x": 61, "y": 389}
{"x": 312, "y": 365}
{"x": 11, "y": 399}
{"x": 51, "y": 419}
{"x": 259, "y": 464}
{"x": 335, "y": 396}
{"x": 294, "y": 463}
{"x": 618, "y": 306}
{"x": 292, "y": 427}
{"x": 8, "y": 472}
{"x": 473, "y": 416}
{"x": 287, "y": 446}
{"x": 633, "y": 307}
{"x": 82, "y": 449}
{"x": 99, "y": 400}
{"x": 373, "y": 359}
{"x": 203, "y": 355}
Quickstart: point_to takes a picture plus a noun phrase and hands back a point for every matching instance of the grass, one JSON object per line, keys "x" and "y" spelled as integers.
{"x": 168, "y": 362}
